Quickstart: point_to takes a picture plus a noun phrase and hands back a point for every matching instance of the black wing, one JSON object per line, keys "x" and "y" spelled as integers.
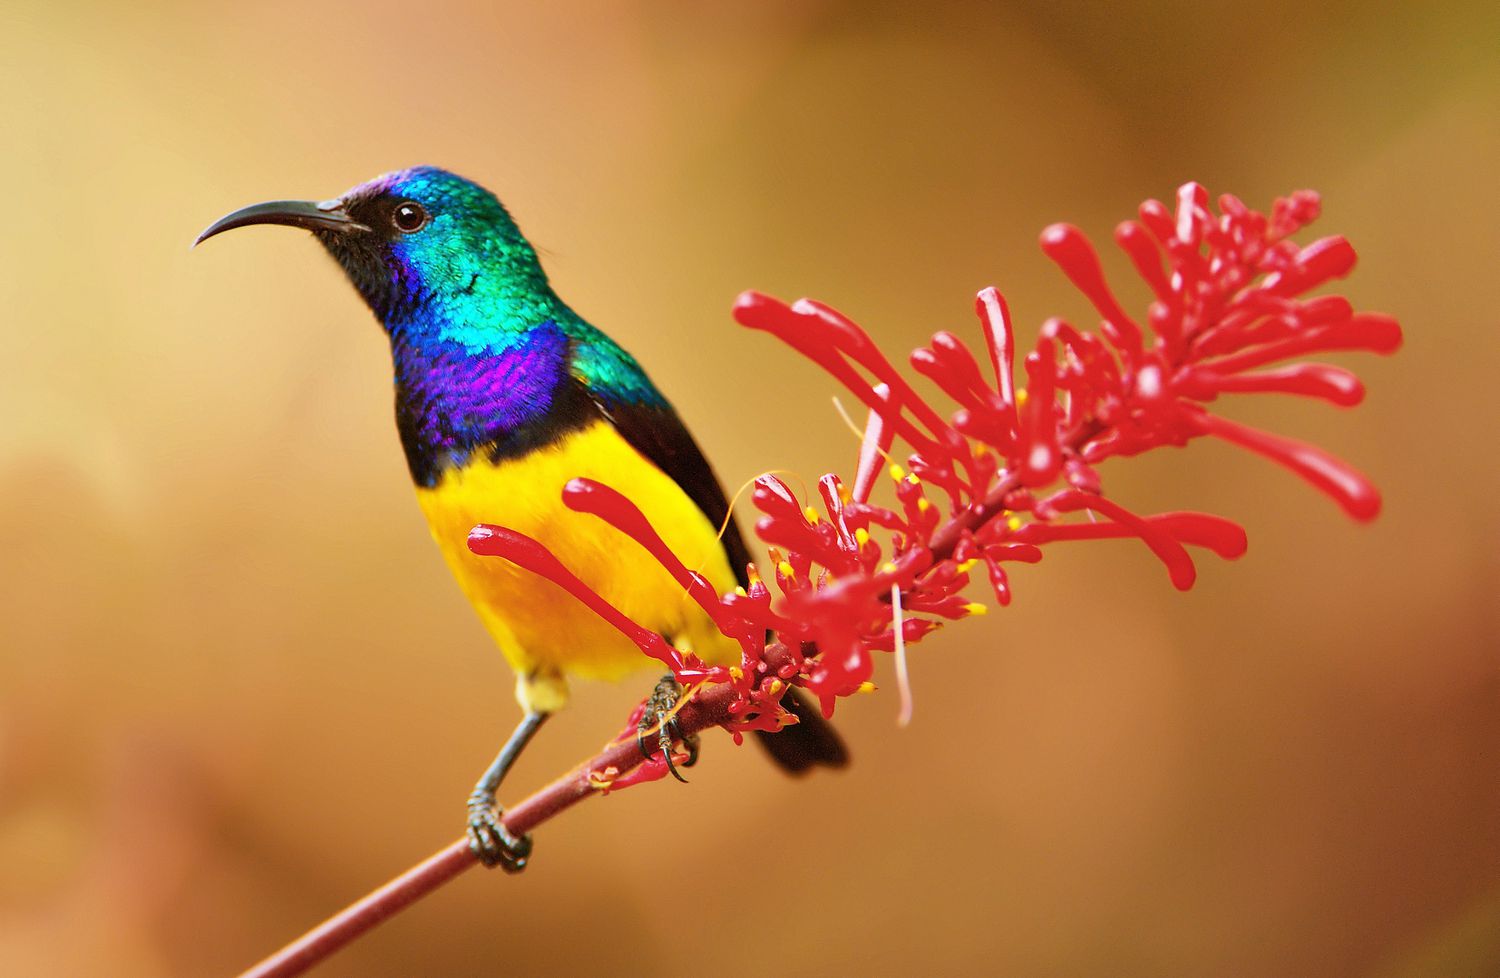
{"x": 655, "y": 430}
{"x": 658, "y": 433}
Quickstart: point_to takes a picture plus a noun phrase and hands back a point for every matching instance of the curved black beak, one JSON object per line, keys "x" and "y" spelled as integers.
{"x": 328, "y": 215}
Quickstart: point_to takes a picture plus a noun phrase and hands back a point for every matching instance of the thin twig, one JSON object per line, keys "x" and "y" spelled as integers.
{"x": 708, "y": 709}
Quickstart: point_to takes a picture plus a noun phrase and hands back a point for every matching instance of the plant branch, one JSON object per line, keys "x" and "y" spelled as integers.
{"x": 710, "y": 708}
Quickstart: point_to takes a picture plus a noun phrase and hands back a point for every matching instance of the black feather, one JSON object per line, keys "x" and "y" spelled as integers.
{"x": 659, "y": 434}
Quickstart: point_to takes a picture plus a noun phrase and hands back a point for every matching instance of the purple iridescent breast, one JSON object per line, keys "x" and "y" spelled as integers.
{"x": 453, "y": 401}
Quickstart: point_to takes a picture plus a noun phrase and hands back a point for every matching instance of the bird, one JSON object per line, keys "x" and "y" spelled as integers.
{"x": 503, "y": 394}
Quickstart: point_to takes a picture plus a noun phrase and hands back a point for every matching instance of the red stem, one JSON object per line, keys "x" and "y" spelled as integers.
{"x": 361, "y": 916}
{"x": 708, "y": 709}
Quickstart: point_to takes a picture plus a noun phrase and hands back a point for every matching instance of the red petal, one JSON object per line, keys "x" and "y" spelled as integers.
{"x": 1345, "y": 484}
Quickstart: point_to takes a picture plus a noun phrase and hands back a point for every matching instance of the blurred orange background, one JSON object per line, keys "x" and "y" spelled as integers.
{"x": 238, "y": 688}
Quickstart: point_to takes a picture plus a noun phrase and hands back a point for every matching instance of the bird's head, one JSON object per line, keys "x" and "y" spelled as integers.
{"x": 417, "y": 242}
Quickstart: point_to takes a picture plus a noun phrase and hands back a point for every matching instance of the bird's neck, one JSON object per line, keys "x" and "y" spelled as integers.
{"x": 483, "y": 374}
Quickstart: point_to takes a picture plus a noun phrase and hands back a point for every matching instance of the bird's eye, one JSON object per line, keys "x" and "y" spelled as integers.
{"x": 409, "y": 217}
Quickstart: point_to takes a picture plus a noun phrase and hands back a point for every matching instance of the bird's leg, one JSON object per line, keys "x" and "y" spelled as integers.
{"x": 658, "y": 716}
{"x": 489, "y": 839}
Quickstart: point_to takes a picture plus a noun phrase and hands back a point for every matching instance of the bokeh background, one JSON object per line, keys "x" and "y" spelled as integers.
{"x": 237, "y": 687}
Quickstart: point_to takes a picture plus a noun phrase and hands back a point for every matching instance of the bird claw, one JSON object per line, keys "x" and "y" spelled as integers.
{"x": 658, "y": 716}
{"x": 491, "y": 842}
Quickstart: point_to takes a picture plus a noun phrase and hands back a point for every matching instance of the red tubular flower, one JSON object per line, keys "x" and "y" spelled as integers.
{"x": 1012, "y": 464}
{"x": 521, "y": 550}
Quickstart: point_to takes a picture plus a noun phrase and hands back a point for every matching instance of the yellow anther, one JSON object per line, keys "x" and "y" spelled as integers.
{"x": 740, "y": 590}
{"x": 889, "y": 567}
{"x": 981, "y": 449}
{"x": 1021, "y": 397}
{"x": 775, "y": 687}
{"x": 913, "y": 479}
{"x": 812, "y": 515}
{"x": 736, "y": 673}
{"x": 861, "y": 536}
{"x": 897, "y": 472}
{"x": 1014, "y": 522}
{"x": 967, "y": 565}
{"x": 923, "y": 505}
{"x": 975, "y": 608}
{"x": 785, "y": 569}
{"x": 866, "y": 687}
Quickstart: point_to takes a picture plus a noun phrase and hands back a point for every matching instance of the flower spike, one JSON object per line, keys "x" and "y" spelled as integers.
{"x": 1001, "y": 472}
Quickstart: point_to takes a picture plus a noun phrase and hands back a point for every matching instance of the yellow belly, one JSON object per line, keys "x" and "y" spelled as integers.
{"x": 545, "y": 632}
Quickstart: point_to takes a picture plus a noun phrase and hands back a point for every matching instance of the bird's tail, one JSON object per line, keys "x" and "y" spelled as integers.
{"x": 810, "y": 742}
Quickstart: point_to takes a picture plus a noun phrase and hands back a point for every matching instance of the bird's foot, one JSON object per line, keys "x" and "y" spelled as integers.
{"x": 658, "y": 720}
{"x": 489, "y": 839}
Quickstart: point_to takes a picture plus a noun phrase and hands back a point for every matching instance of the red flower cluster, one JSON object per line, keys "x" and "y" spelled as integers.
{"x": 993, "y": 481}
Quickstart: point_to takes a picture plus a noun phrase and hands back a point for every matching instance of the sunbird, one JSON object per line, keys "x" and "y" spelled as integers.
{"x": 504, "y": 394}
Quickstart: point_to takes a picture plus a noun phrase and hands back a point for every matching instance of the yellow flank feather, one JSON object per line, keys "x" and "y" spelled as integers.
{"x": 546, "y": 633}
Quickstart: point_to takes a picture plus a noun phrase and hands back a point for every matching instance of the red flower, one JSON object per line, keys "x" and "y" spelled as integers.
{"x": 1009, "y": 464}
